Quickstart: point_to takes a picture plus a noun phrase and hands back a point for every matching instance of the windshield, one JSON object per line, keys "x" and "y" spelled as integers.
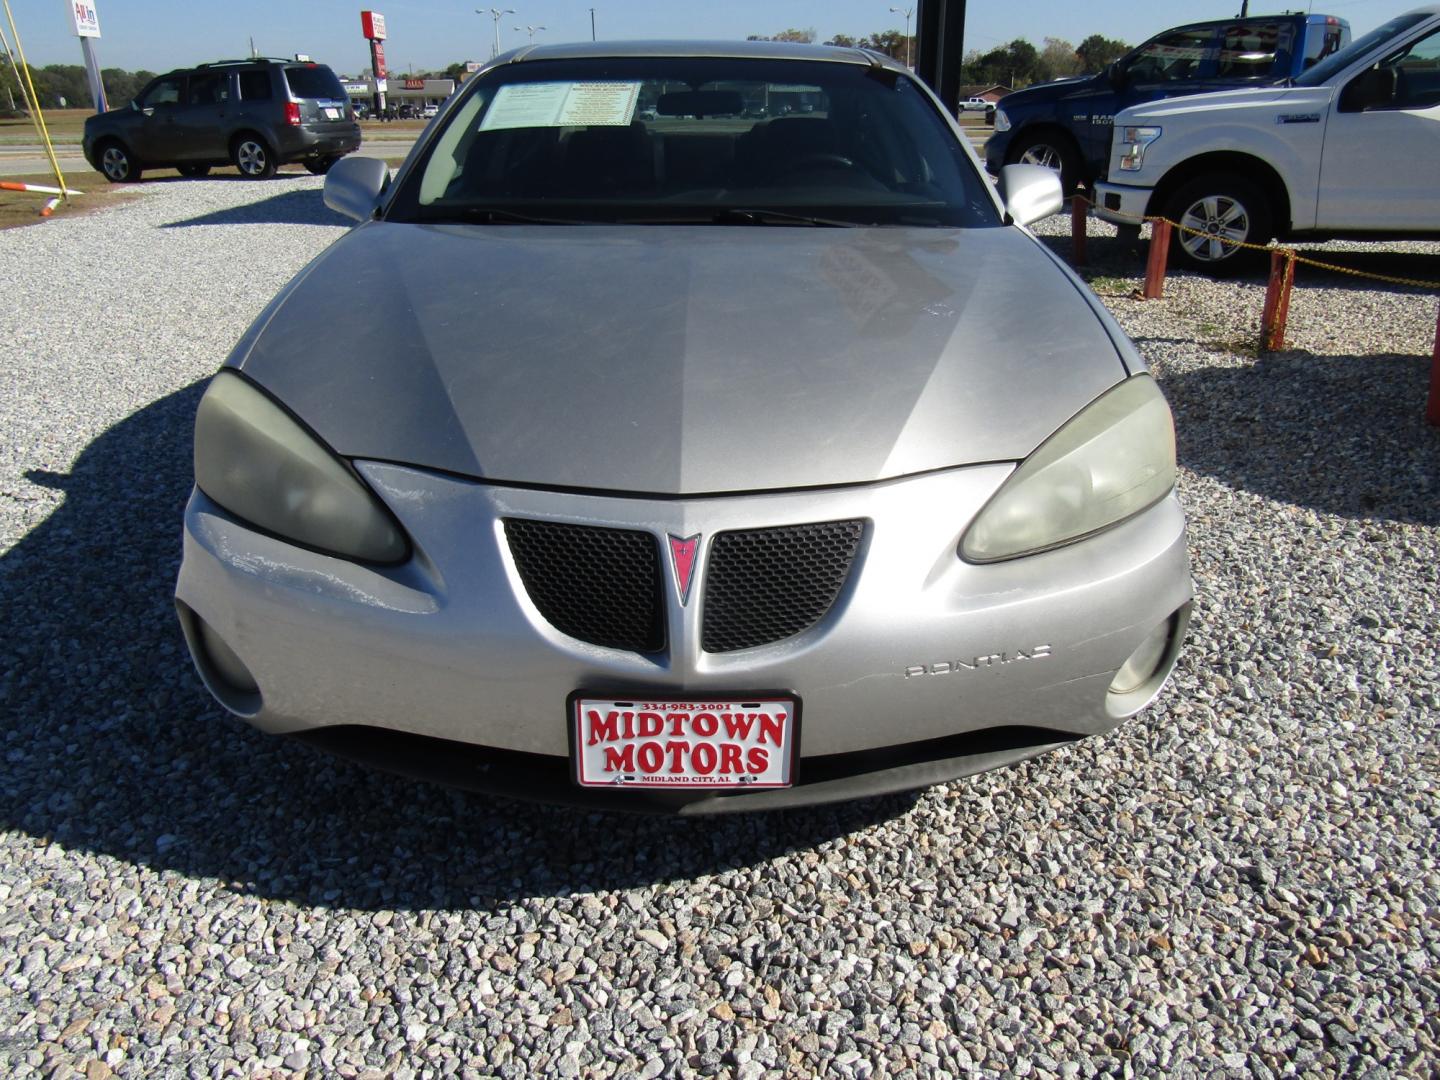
{"x": 1322, "y": 71}
{"x": 686, "y": 140}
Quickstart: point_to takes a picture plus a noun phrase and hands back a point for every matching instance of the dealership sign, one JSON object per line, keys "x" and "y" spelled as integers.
{"x": 373, "y": 25}
{"x": 85, "y": 18}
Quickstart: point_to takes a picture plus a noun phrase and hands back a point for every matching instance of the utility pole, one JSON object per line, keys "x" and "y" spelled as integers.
{"x": 592, "y": 24}
{"x": 497, "y": 14}
{"x": 907, "y": 12}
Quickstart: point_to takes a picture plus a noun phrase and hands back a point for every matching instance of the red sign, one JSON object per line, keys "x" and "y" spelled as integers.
{"x": 717, "y": 744}
{"x": 372, "y": 23}
{"x": 414, "y": 84}
{"x": 377, "y": 56}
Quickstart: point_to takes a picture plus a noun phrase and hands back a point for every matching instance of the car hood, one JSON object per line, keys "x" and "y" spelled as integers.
{"x": 681, "y": 360}
{"x": 1237, "y": 102}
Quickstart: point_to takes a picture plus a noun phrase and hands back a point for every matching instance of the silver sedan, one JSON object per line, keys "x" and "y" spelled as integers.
{"x": 689, "y": 429}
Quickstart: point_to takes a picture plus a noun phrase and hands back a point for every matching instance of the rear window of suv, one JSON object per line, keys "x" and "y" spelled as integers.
{"x": 314, "y": 81}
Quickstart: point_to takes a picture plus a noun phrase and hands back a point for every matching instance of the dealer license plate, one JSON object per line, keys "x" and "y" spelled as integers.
{"x": 683, "y": 743}
{"x": 332, "y": 114}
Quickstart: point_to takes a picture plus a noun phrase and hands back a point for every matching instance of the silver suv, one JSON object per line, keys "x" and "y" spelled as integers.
{"x": 254, "y": 114}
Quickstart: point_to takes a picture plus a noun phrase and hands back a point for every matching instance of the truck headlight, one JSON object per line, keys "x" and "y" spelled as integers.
{"x": 1002, "y": 122}
{"x": 1113, "y": 459}
{"x": 262, "y": 465}
{"x": 1136, "y": 140}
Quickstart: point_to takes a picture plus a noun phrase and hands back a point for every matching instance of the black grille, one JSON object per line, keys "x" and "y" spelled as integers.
{"x": 598, "y": 585}
{"x": 767, "y": 584}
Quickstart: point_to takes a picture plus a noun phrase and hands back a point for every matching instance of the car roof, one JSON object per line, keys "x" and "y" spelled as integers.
{"x": 1286, "y": 16}
{"x": 750, "y": 50}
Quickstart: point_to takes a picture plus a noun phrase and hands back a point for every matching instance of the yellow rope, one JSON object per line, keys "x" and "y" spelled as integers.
{"x": 35, "y": 114}
{"x": 1290, "y": 252}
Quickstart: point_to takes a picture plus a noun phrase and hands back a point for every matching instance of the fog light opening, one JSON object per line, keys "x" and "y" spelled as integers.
{"x": 1143, "y": 674}
{"x": 222, "y": 670}
{"x": 226, "y": 664}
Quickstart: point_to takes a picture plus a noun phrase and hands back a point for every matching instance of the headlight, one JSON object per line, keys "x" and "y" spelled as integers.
{"x": 255, "y": 460}
{"x": 1002, "y": 122}
{"x": 1138, "y": 140}
{"x": 1112, "y": 460}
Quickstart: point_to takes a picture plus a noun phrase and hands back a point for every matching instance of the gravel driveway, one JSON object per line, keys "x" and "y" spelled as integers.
{"x": 1241, "y": 881}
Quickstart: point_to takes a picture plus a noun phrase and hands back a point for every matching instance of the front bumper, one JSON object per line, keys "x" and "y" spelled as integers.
{"x": 927, "y": 667}
{"x": 1121, "y": 204}
{"x": 995, "y": 147}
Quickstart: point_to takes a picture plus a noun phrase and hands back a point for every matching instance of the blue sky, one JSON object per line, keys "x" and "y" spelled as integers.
{"x": 427, "y": 34}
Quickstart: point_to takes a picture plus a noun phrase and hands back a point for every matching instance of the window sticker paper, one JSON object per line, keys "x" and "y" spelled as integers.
{"x": 562, "y": 104}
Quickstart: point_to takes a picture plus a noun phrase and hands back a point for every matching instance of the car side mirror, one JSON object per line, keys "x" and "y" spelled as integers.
{"x": 353, "y": 186}
{"x": 1116, "y": 74}
{"x": 1029, "y": 193}
{"x": 1369, "y": 89}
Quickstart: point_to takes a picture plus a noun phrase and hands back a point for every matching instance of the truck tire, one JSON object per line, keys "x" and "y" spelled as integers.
{"x": 1220, "y": 207}
{"x": 1051, "y": 149}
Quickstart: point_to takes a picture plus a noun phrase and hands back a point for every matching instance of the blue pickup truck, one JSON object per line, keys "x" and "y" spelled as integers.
{"x": 1066, "y": 124}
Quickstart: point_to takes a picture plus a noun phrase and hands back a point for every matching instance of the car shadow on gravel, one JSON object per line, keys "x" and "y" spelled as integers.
{"x": 111, "y": 745}
{"x": 1339, "y": 434}
{"x": 299, "y": 207}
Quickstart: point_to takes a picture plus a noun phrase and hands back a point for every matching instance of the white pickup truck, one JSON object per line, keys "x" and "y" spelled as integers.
{"x": 1351, "y": 147}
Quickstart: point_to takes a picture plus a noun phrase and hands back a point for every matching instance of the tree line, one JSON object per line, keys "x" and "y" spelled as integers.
{"x": 66, "y": 83}
{"x": 1016, "y": 64}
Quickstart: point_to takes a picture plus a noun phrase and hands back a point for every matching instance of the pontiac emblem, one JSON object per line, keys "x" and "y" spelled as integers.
{"x": 682, "y": 558}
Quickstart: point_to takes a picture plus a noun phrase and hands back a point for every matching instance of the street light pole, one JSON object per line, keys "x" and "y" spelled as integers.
{"x": 497, "y": 14}
{"x": 907, "y": 12}
{"x": 592, "y": 24}
{"x": 531, "y": 30}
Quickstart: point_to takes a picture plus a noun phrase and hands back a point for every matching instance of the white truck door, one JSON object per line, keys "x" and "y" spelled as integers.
{"x": 1381, "y": 164}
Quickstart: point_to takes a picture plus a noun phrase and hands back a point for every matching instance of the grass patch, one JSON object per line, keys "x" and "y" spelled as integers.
{"x": 1109, "y": 285}
{"x": 65, "y": 126}
{"x": 23, "y": 207}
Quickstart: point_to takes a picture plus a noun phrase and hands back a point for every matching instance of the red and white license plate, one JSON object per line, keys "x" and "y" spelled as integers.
{"x": 683, "y": 743}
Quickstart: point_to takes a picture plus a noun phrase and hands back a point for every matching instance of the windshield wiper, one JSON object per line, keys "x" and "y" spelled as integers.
{"x": 734, "y": 215}
{"x": 494, "y": 215}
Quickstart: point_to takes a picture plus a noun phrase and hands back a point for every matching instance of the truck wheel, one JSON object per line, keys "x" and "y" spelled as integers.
{"x": 1051, "y": 150}
{"x": 252, "y": 157}
{"x": 1216, "y": 213}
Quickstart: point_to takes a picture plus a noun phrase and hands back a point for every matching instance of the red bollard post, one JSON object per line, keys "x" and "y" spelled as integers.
{"x": 1079, "y": 212}
{"x": 1432, "y": 410}
{"x": 1159, "y": 256}
{"x": 1277, "y": 300}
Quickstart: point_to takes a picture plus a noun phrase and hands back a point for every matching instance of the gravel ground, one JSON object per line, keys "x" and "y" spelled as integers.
{"x": 1241, "y": 881}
